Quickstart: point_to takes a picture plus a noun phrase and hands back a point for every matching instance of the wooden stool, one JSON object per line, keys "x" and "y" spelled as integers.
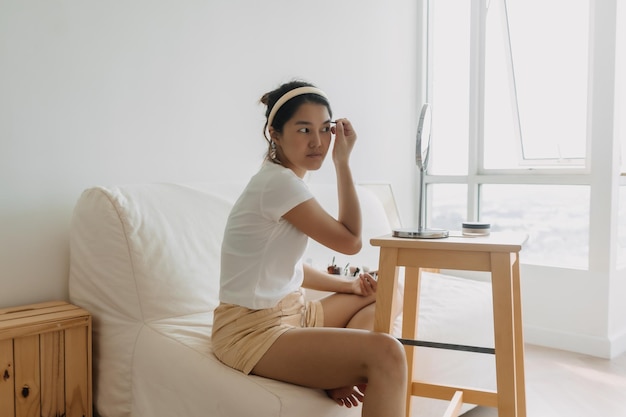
{"x": 498, "y": 254}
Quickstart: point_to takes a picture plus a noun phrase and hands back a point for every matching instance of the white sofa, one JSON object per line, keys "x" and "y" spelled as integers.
{"x": 145, "y": 262}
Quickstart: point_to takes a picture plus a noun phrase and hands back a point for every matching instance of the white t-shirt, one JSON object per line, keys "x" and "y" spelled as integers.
{"x": 261, "y": 251}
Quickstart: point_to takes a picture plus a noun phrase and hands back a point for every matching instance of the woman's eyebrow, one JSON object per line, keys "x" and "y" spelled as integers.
{"x": 305, "y": 122}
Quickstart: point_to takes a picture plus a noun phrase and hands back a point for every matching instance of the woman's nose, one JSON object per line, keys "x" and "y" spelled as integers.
{"x": 316, "y": 140}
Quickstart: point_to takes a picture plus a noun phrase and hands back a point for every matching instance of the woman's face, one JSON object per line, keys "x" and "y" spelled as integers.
{"x": 303, "y": 144}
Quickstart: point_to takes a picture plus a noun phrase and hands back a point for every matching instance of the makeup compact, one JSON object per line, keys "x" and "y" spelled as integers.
{"x": 475, "y": 229}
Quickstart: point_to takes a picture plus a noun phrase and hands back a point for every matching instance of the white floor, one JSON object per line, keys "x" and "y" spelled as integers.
{"x": 566, "y": 384}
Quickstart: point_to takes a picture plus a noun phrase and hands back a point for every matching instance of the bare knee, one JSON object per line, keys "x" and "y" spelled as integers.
{"x": 389, "y": 354}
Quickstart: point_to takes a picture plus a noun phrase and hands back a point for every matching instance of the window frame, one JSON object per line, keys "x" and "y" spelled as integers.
{"x": 538, "y": 173}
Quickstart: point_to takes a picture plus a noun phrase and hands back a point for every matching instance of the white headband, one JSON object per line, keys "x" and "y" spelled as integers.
{"x": 289, "y": 95}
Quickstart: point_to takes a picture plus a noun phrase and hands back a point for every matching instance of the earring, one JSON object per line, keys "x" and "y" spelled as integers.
{"x": 273, "y": 152}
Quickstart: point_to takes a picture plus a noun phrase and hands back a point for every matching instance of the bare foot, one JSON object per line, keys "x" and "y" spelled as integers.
{"x": 347, "y": 396}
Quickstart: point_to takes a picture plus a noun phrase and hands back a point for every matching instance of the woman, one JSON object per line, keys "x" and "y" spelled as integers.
{"x": 262, "y": 325}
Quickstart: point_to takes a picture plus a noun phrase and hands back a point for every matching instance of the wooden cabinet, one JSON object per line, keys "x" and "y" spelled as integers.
{"x": 45, "y": 361}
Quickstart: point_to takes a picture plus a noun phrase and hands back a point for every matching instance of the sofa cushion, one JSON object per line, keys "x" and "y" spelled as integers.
{"x": 202, "y": 386}
{"x": 151, "y": 251}
{"x": 141, "y": 253}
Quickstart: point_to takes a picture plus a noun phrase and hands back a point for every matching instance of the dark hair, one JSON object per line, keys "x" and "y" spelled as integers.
{"x": 288, "y": 109}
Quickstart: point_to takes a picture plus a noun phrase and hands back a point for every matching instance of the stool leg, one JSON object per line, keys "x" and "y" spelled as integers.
{"x": 409, "y": 324}
{"x": 504, "y": 333}
{"x": 386, "y": 299}
{"x": 519, "y": 340}
{"x": 386, "y": 290}
{"x": 455, "y": 405}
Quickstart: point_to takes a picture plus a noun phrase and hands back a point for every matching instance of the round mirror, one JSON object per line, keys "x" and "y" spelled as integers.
{"x": 422, "y": 145}
{"x": 422, "y": 150}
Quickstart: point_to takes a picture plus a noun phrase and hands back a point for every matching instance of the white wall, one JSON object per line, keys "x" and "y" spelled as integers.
{"x": 97, "y": 93}
{"x": 617, "y": 289}
{"x": 583, "y": 310}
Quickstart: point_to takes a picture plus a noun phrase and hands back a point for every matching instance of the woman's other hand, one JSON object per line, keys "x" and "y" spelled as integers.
{"x": 364, "y": 285}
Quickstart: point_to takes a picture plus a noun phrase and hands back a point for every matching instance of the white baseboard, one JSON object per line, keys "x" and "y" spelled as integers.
{"x": 590, "y": 345}
{"x": 618, "y": 344}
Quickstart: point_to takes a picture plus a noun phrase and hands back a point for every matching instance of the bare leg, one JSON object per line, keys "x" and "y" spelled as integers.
{"x": 355, "y": 312}
{"x": 340, "y": 309}
{"x": 363, "y": 319}
{"x": 327, "y": 358}
{"x": 351, "y": 311}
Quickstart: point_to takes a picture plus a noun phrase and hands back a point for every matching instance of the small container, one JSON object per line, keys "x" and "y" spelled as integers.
{"x": 333, "y": 270}
{"x": 476, "y": 229}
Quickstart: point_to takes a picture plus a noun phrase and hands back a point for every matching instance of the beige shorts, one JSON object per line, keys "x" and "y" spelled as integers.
{"x": 241, "y": 336}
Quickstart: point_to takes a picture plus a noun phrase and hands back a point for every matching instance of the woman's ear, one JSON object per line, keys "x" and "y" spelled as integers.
{"x": 274, "y": 135}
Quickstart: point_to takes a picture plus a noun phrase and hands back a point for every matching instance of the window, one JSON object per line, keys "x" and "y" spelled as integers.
{"x": 556, "y": 218}
{"x": 535, "y": 83}
{"x": 450, "y": 52}
{"x": 451, "y": 205}
{"x": 507, "y": 80}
